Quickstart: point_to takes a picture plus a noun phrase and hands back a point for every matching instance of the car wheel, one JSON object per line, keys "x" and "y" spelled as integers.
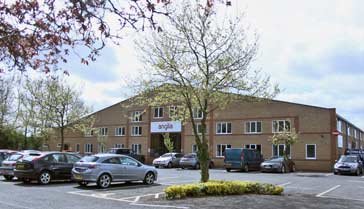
{"x": 8, "y": 178}
{"x": 246, "y": 168}
{"x": 82, "y": 183}
{"x": 104, "y": 181}
{"x": 149, "y": 178}
{"x": 283, "y": 169}
{"x": 169, "y": 165}
{"x": 44, "y": 177}
{"x": 197, "y": 166}
{"x": 182, "y": 167}
{"x": 228, "y": 169}
{"x": 335, "y": 173}
{"x": 156, "y": 166}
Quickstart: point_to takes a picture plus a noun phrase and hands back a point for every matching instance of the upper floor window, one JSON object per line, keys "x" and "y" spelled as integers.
{"x": 252, "y": 127}
{"x": 103, "y": 131}
{"x": 223, "y": 128}
{"x": 197, "y": 113}
{"x": 355, "y": 133}
{"x": 89, "y": 132}
{"x": 158, "y": 112}
{"x": 339, "y": 125}
{"x": 120, "y": 131}
{"x": 136, "y": 131}
{"x": 194, "y": 148}
{"x": 281, "y": 126}
{"x": 137, "y": 116}
{"x": 348, "y": 131}
{"x": 172, "y": 111}
{"x": 198, "y": 128}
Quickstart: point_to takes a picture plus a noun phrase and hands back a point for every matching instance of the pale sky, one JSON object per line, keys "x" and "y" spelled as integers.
{"x": 314, "y": 50}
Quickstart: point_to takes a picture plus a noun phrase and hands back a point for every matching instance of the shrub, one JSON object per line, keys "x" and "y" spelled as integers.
{"x": 217, "y": 188}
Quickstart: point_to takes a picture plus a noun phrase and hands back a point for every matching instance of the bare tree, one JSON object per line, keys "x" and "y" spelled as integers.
{"x": 203, "y": 59}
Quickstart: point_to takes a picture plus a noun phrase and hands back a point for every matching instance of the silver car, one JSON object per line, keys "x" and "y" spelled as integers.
{"x": 350, "y": 164}
{"x": 168, "y": 160}
{"x": 106, "y": 168}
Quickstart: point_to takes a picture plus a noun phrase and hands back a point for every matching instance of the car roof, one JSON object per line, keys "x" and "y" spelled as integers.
{"x": 108, "y": 155}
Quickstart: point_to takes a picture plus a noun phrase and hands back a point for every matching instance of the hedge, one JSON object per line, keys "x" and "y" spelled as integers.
{"x": 221, "y": 188}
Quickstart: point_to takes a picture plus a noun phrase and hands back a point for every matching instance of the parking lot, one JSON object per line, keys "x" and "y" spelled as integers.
{"x": 325, "y": 188}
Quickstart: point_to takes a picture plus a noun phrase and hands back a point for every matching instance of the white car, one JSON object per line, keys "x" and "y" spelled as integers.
{"x": 168, "y": 160}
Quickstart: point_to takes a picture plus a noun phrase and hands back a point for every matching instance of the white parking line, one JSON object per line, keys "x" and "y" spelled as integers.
{"x": 156, "y": 196}
{"x": 159, "y": 206}
{"x": 356, "y": 181}
{"x": 329, "y": 174}
{"x": 362, "y": 176}
{"x": 327, "y": 191}
{"x": 285, "y": 184}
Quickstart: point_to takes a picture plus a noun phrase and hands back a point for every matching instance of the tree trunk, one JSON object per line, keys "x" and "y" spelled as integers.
{"x": 25, "y": 146}
{"x": 62, "y": 139}
{"x": 204, "y": 162}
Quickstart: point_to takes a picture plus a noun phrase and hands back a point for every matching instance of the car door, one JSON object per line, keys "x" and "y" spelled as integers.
{"x": 60, "y": 166}
{"x": 114, "y": 167}
{"x": 132, "y": 169}
{"x": 71, "y": 160}
{"x": 176, "y": 158}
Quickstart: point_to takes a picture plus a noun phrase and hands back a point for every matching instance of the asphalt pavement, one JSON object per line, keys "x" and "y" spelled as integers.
{"x": 302, "y": 190}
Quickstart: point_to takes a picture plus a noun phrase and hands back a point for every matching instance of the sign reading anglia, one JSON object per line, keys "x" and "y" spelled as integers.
{"x": 165, "y": 127}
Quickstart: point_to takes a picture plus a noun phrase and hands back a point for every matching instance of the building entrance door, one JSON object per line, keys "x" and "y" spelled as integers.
{"x": 157, "y": 147}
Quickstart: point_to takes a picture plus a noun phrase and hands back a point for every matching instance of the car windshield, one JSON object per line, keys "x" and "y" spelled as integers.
{"x": 89, "y": 159}
{"x": 190, "y": 156}
{"x": 348, "y": 159}
{"x": 15, "y": 157}
{"x": 276, "y": 159}
{"x": 167, "y": 155}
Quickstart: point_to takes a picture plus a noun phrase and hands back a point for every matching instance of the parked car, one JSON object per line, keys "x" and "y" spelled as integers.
{"x": 358, "y": 152}
{"x": 350, "y": 164}
{"x": 278, "y": 164}
{"x": 242, "y": 159}
{"x": 168, "y": 160}
{"x": 191, "y": 161}
{"x": 8, "y": 165}
{"x": 106, "y": 168}
{"x": 128, "y": 152}
{"x": 5, "y": 153}
{"x": 46, "y": 167}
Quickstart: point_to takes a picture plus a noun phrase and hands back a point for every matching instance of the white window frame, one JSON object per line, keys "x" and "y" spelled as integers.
{"x": 227, "y": 146}
{"x": 137, "y": 148}
{"x": 118, "y": 145}
{"x": 103, "y": 131}
{"x": 120, "y": 133}
{"x": 311, "y": 158}
{"x": 256, "y": 127}
{"x": 284, "y": 125}
{"x": 340, "y": 141}
{"x": 89, "y": 133}
{"x": 198, "y": 127}
{"x": 226, "y": 128}
{"x": 173, "y": 111}
{"x": 284, "y": 146}
{"x": 77, "y": 146}
{"x": 101, "y": 147}
{"x": 137, "y": 116}
{"x": 339, "y": 124}
{"x": 160, "y": 113}
{"x": 59, "y": 145}
{"x": 136, "y": 133}
{"x": 89, "y": 148}
{"x": 197, "y": 113}
{"x": 194, "y": 148}
{"x": 348, "y": 130}
{"x": 355, "y": 133}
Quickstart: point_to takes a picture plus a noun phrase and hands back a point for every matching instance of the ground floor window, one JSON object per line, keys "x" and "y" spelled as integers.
{"x": 278, "y": 150}
{"x": 220, "y": 149}
{"x": 88, "y": 148}
{"x": 194, "y": 148}
{"x": 254, "y": 146}
{"x": 77, "y": 147}
{"x": 119, "y": 145}
{"x": 59, "y": 145}
{"x": 311, "y": 151}
{"x": 340, "y": 141}
{"x": 137, "y": 148}
{"x": 102, "y": 148}
{"x": 136, "y": 131}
